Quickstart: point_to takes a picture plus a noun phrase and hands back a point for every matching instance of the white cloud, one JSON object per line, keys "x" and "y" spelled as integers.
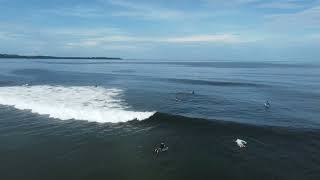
{"x": 151, "y": 15}
{"x": 246, "y": 1}
{"x": 121, "y": 8}
{"x": 128, "y": 9}
{"x": 274, "y": 4}
{"x": 143, "y": 10}
{"x": 313, "y": 38}
{"x": 222, "y": 38}
{"x": 202, "y": 38}
{"x": 231, "y": 3}
{"x": 144, "y": 44}
{"x": 13, "y": 31}
{"x": 3, "y": 35}
{"x": 77, "y": 11}
{"x": 280, "y": 5}
{"x": 307, "y": 18}
{"x": 83, "y": 32}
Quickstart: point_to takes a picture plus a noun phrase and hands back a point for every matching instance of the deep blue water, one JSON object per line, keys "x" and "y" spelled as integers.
{"x": 229, "y": 91}
{"x": 47, "y": 119}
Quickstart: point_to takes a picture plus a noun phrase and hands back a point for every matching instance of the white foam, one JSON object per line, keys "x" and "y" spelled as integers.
{"x": 77, "y": 102}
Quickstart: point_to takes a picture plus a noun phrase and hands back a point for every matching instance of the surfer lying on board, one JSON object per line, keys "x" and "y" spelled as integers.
{"x": 161, "y": 148}
{"x": 267, "y": 104}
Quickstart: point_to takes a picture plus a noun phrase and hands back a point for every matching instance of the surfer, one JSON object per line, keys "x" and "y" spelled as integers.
{"x": 241, "y": 143}
{"x": 267, "y": 104}
{"x": 26, "y": 84}
{"x": 162, "y": 148}
{"x": 192, "y": 92}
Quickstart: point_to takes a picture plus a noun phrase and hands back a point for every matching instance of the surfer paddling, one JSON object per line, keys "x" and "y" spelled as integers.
{"x": 162, "y": 148}
{"x": 267, "y": 104}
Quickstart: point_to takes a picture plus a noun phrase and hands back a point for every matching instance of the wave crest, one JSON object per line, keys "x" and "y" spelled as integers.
{"x": 82, "y": 103}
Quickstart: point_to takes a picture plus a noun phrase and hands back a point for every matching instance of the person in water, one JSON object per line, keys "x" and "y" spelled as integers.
{"x": 192, "y": 92}
{"x": 267, "y": 104}
{"x": 162, "y": 147}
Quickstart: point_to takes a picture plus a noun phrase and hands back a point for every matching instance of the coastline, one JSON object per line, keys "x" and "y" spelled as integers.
{"x": 14, "y": 56}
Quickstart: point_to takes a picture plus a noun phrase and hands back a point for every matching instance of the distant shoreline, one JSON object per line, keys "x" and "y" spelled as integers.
{"x": 14, "y": 56}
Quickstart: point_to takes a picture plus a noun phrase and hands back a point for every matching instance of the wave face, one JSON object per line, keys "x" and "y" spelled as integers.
{"x": 95, "y": 104}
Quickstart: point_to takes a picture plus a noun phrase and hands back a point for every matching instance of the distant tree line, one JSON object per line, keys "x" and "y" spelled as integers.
{"x": 14, "y": 56}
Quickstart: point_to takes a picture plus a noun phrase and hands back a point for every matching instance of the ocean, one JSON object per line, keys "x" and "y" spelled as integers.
{"x": 102, "y": 119}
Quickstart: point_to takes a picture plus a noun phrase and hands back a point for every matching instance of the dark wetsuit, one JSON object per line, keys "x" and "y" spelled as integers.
{"x": 162, "y": 146}
{"x": 160, "y": 149}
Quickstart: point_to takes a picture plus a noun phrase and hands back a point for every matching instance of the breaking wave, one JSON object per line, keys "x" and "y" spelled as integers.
{"x": 95, "y": 104}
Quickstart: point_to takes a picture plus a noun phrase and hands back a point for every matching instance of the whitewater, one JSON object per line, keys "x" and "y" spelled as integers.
{"x": 94, "y": 104}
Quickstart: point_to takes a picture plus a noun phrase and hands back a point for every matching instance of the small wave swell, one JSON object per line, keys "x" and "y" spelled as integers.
{"x": 95, "y": 104}
{"x": 215, "y": 83}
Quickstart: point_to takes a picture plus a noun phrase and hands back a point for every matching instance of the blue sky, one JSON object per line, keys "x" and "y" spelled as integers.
{"x": 169, "y": 29}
